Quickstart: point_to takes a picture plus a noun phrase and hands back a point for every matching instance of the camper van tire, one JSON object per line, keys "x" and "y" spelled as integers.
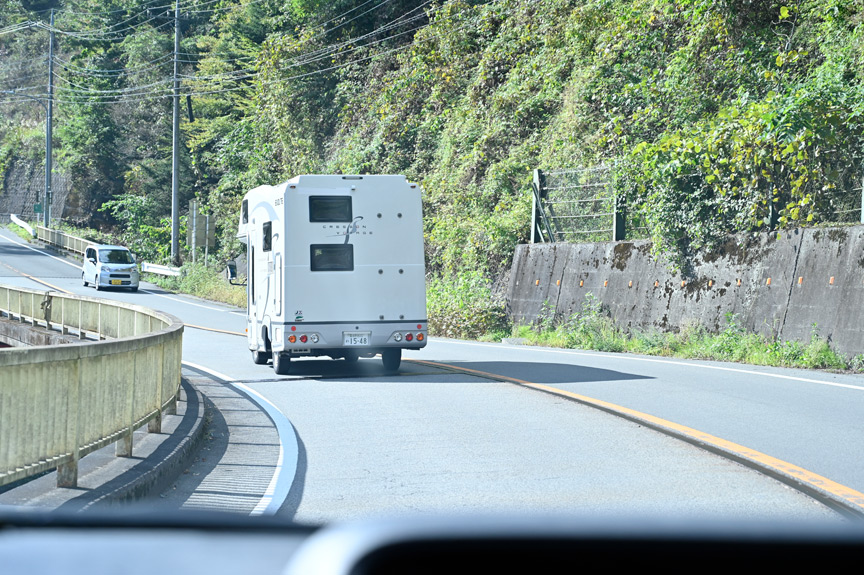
{"x": 281, "y": 363}
{"x": 391, "y": 357}
{"x": 260, "y": 357}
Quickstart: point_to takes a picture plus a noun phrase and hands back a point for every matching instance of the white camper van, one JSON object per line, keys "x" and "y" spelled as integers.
{"x": 335, "y": 268}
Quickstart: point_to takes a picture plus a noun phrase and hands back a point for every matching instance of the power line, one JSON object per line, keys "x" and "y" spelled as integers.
{"x": 264, "y": 83}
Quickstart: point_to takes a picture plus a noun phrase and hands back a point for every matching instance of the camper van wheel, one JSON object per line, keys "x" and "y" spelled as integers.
{"x": 260, "y": 357}
{"x": 391, "y": 357}
{"x": 351, "y": 356}
{"x": 281, "y": 363}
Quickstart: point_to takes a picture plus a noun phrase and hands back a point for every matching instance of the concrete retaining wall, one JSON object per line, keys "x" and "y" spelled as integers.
{"x": 777, "y": 286}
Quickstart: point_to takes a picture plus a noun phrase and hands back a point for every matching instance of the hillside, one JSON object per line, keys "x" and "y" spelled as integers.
{"x": 709, "y": 112}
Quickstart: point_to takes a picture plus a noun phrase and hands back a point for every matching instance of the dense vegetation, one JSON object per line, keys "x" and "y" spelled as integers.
{"x": 717, "y": 116}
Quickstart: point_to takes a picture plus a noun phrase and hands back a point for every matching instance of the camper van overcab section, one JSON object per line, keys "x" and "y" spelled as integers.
{"x": 334, "y": 268}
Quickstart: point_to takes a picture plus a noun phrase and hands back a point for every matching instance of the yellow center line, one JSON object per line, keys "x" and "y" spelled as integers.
{"x": 216, "y": 330}
{"x": 851, "y": 499}
{"x": 37, "y": 280}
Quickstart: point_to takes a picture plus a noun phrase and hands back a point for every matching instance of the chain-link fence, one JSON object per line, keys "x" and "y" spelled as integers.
{"x": 588, "y": 205}
{"x": 575, "y": 206}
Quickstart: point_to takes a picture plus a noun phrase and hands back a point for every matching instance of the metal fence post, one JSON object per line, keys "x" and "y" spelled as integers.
{"x": 539, "y": 215}
{"x": 619, "y": 230}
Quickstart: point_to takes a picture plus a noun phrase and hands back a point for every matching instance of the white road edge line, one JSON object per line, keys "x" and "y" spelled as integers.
{"x": 280, "y": 484}
{"x": 183, "y": 301}
{"x": 652, "y": 360}
{"x": 76, "y": 266}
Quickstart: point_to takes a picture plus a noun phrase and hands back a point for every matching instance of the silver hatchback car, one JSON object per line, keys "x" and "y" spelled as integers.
{"x": 109, "y": 266}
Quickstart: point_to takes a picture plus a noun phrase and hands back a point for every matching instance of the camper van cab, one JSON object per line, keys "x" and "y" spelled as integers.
{"x": 335, "y": 268}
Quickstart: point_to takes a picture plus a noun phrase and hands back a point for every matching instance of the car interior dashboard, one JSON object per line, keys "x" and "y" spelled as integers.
{"x": 215, "y": 544}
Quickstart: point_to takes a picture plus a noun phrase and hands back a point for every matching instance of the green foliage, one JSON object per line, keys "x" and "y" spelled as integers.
{"x": 143, "y": 231}
{"x": 205, "y": 282}
{"x": 463, "y": 307}
{"x": 719, "y": 116}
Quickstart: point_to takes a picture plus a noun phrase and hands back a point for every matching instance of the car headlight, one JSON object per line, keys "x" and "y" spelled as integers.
{"x": 105, "y": 270}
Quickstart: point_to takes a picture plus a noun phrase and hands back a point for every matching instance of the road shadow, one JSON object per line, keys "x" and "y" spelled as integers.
{"x": 371, "y": 371}
{"x": 545, "y": 372}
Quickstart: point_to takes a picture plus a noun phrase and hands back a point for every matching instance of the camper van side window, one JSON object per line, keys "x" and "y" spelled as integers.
{"x": 267, "y": 241}
{"x": 330, "y": 209}
{"x": 332, "y": 257}
{"x": 244, "y": 212}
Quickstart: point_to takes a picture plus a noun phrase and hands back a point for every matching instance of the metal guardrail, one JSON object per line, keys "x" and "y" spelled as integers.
{"x": 63, "y": 240}
{"x": 59, "y": 403}
{"x": 22, "y": 224}
{"x": 78, "y": 245}
{"x": 160, "y": 269}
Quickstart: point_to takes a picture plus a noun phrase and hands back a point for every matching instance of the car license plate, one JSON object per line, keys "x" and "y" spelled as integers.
{"x": 116, "y": 282}
{"x": 356, "y": 337}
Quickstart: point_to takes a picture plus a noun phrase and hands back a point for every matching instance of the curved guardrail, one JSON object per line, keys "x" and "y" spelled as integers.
{"x": 59, "y": 403}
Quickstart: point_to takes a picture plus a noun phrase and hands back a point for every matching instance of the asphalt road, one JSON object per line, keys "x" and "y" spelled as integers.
{"x": 357, "y": 442}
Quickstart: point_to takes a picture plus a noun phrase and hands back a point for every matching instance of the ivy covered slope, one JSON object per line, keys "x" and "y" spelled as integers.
{"x": 710, "y": 112}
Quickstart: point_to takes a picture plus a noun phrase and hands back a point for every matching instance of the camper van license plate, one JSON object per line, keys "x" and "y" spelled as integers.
{"x": 356, "y": 337}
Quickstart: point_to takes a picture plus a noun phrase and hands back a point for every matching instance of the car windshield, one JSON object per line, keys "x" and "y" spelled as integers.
{"x": 116, "y": 257}
{"x": 587, "y": 257}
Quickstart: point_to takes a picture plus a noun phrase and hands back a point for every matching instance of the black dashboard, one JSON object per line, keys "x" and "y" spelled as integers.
{"x": 214, "y": 544}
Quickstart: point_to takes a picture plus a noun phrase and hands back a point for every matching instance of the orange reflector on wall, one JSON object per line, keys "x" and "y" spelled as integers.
{"x": 536, "y": 282}
{"x": 605, "y": 283}
{"x": 831, "y": 281}
{"x": 581, "y": 283}
{"x": 800, "y": 280}
{"x": 768, "y": 282}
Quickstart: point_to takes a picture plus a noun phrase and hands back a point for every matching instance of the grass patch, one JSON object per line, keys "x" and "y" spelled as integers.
{"x": 201, "y": 281}
{"x": 19, "y": 231}
{"x": 590, "y": 328}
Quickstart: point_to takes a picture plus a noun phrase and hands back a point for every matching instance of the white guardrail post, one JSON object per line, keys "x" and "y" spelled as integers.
{"x": 62, "y": 402}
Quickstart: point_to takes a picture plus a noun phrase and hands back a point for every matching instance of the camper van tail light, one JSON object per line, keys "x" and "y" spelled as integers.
{"x": 397, "y": 336}
{"x": 419, "y": 337}
{"x": 303, "y": 338}
{"x": 314, "y": 338}
{"x": 408, "y": 337}
{"x": 292, "y": 338}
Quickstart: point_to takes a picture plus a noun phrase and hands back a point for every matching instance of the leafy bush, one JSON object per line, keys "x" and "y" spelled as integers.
{"x": 205, "y": 282}
{"x": 464, "y": 307}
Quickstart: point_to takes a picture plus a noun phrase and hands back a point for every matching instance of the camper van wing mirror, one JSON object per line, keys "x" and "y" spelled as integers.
{"x": 231, "y": 274}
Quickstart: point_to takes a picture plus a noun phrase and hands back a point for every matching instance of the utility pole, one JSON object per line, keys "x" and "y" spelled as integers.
{"x": 175, "y": 146}
{"x": 46, "y": 211}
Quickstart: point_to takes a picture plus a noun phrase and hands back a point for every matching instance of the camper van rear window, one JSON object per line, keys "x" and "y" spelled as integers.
{"x": 332, "y": 257}
{"x": 330, "y": 209}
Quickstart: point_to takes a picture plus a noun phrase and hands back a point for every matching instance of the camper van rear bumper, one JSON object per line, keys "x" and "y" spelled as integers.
{"x": 360, "y": 336}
